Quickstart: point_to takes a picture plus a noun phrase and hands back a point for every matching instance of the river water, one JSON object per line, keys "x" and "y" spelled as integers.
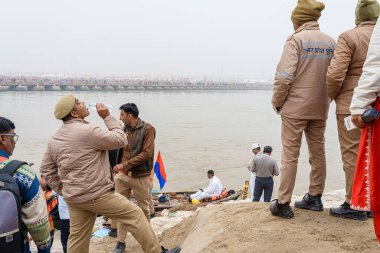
{"x": 196, "y": 131}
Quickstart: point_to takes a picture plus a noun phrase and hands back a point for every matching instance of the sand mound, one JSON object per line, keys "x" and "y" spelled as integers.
{"x": 249, "y": 227}
{"x": 171, "y": 231}
{"x": 242, "y": 226}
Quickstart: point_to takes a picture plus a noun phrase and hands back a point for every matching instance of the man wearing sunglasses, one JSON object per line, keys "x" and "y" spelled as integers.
{"x": 33, "y": 206}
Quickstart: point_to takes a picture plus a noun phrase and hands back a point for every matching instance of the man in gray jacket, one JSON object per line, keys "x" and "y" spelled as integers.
{"x": 76, "y": 166}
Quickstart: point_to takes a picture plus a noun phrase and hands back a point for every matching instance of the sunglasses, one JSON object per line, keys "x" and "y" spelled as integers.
{"x": 14, "y": 136}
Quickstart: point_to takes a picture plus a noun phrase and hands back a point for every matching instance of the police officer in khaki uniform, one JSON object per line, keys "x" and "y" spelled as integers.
{"x": 300, "y": 97}
{"x": 134, "y": 171}
{"x": 342, "y": 77}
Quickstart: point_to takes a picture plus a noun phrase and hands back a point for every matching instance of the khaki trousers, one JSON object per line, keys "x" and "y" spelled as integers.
{"x": 116, "y": 207}
{"x": 291, "y": 137}
{"x": 141, "y": 190}
{"x": 349, "y": 145}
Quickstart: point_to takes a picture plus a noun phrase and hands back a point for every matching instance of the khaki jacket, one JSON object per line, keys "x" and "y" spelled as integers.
{"x": 138, "y": 154}
{"x": 300, "y": 83}
{"x": 76, "y": 161}
{"x": 346, "y": 66}
{"x": 368, "y": 90}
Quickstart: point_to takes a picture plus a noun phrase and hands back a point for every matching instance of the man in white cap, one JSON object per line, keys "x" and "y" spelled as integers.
{"x": 255, "y": 148}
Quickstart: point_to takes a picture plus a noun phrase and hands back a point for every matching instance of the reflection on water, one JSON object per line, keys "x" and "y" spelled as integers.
{"x": 196, "y": 131}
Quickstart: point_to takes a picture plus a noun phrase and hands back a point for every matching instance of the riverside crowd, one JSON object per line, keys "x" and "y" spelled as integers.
{"x": 313, "y": 71}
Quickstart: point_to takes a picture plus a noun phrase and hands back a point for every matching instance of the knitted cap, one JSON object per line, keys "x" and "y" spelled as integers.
{"x": 366, "y": 10}
{"x": 64, "y": 106}
{"x": 306, "y": 11}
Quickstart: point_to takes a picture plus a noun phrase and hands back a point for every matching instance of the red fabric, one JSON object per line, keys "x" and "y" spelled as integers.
{"x": 2, "y": 159}
{"x": 366, "y": 186}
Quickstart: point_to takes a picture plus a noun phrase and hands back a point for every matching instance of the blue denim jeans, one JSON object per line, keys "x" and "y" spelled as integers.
{"x": 263, "y": 184}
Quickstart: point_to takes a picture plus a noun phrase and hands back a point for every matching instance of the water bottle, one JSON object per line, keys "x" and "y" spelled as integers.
{"x": 92, "y": 106}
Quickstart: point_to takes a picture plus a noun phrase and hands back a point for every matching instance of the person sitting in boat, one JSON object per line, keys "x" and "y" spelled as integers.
{"x": 214, "y": 188}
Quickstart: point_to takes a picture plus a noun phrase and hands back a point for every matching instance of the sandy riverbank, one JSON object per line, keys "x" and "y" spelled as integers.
{"x": 249, "y": 227}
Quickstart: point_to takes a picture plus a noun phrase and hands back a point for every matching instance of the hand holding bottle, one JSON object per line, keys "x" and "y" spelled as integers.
{"x": 102, "y": 110}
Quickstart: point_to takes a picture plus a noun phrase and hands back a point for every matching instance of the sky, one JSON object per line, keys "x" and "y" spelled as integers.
{"x": 219, "y": 39}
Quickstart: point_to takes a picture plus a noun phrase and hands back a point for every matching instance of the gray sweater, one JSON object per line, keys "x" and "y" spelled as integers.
{"x": 265, "y": 166}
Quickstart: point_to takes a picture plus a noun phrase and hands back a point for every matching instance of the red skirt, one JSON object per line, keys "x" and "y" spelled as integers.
{"x": 366, "y": 185}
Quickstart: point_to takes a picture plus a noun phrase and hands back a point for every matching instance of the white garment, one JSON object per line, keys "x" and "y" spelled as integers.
{"x": 368, "y": 89}
{"x": 252, "y": 188}
{"x": 199, "y": 195}
{"x": 213, "y": 189}
{"x": 252, "y": 184}
{"x": 252, "y": 181}
{"x": 63, "y": 209}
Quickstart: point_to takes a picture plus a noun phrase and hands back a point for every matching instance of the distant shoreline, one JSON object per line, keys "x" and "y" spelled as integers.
{"x": 23, "y": 88}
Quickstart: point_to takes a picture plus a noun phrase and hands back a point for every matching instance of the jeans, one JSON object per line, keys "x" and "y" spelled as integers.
{"x": 263, "y": 184}
{"x": 65, "y": 232}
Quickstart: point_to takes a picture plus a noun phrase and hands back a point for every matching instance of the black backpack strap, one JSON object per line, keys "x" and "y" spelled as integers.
{"x": 12, "y": 166}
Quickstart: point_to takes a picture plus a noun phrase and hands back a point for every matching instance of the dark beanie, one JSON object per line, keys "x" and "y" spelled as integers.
{"x": 366, "y": 10}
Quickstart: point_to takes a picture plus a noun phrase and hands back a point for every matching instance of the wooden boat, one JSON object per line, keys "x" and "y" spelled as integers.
{"x": 177, "y": 199}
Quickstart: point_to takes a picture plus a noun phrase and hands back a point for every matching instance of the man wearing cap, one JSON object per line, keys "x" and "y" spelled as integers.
{"x": 342, "y": 77}
{"x": 255, "y": 148}
{"x": 76, "y": 166}
{"x": 300, "y": 97}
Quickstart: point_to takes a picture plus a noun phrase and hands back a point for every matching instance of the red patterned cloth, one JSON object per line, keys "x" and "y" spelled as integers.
{"x": 366, "y": 186}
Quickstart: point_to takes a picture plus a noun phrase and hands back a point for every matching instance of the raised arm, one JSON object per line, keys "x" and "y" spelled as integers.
{"x": 110, "y": 139}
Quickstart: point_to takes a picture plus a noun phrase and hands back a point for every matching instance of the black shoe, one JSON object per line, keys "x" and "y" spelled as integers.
{"x": 120, "y": 247}
{"x": 152, "y": 215}
{"x": 281, "y": 210}
{"x": 313, "y": 203}
{"x": 370, "y": 214}
{"x": 345, "y": 211}
{"x": 176, "y": 249}
{"x": 113, "y": 232}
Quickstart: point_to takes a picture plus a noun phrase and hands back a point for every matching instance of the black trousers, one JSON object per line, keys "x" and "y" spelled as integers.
{"x": 263, "y": 184}
{"x": 65, "y": 232}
